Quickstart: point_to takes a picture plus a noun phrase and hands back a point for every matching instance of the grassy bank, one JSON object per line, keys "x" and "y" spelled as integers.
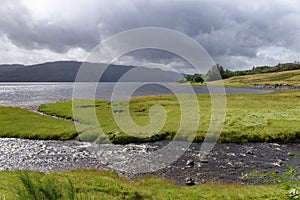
{"x": 272, "y": 117}
{"x": 20, "y": 123}
{"x": 92, "y": 184}
{"x": 286, "y": 78}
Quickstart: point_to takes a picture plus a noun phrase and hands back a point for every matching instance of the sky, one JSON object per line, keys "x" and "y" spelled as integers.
{"x": 236, "y": 34}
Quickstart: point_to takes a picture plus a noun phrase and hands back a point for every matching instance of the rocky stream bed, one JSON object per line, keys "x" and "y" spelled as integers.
{"x": 225, "y": 163}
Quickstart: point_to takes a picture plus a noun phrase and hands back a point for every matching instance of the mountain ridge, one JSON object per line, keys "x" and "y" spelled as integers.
{"x": 66, "y": 71}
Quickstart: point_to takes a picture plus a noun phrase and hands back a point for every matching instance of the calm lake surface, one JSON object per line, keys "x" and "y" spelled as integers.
{"x": 33, "y": 94}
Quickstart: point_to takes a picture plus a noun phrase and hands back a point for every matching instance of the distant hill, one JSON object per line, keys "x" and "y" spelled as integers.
{"x": 288, "y": 79}
{"x": 66, "y": 71}
{"x": 261, "y": 69}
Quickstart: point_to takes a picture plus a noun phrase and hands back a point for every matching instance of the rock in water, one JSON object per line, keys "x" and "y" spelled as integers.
{"x": 189, "y": 181}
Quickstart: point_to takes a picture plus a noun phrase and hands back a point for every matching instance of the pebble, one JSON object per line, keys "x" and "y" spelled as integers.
{"x": 231, "y": 154}
{"x": 203, "y": 160}
{"x": 291, "y": 154}
{"x": 249, "y": 151}
{"x": 278, "y": 163}
{"x": 190, "y": 163}
{"x": 203, "y": 157}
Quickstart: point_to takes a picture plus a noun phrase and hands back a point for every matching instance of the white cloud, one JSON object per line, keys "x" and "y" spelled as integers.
{"x": 277, "y": 54}
{"x": 12, "y": 54}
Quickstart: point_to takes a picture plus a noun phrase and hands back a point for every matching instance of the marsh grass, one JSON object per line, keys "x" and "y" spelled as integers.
{"x": 289, "y": 180}
{"x": 21, "y": 123}
{"x": 272, "y": 117}
{"x": 95, "y": 184}
{"x": 38, "y": 188}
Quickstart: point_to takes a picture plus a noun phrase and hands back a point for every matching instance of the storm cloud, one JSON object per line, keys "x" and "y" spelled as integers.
{"x": 237, "y": 34}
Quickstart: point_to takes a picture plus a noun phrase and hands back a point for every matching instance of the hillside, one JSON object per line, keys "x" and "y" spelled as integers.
{"x": 276, "y": 79}
{"x": 260, "y": 69}
{"x": 66, "y": 71}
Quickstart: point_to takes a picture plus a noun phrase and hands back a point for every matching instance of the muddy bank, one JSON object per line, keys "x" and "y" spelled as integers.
{"x": 228, "y": 162}
{"x": 225, "y": 164}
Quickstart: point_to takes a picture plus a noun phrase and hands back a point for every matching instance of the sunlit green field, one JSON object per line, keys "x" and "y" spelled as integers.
{"x": 92, "y": 184}
{"x": 272, "y": 117}
{"x": 20, "y": 123}
{"x": 286, "y": 78}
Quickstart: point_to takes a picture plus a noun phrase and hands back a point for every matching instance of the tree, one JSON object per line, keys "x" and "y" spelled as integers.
{"x": 197, "y": 78}
{"x": 214, "y": 73}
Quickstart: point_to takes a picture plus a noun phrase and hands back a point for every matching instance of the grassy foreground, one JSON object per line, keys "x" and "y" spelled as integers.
{"x": 92, "y": 184}
{"x": 272, "y": 117}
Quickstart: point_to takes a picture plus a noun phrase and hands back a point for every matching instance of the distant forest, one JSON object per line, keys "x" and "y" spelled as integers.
{"x": 218, "y": 72}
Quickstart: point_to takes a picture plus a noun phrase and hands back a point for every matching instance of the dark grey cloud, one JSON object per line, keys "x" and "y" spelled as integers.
{"x": 58, "y": 34}
{"x": 235, "y": 33}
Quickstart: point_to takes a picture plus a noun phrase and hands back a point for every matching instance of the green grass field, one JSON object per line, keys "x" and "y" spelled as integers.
{"x": 272, "y": 117}
{"x": 286, "y": 78}
{"x": 20, "y": 123}
{"x": 92, "y": 184}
